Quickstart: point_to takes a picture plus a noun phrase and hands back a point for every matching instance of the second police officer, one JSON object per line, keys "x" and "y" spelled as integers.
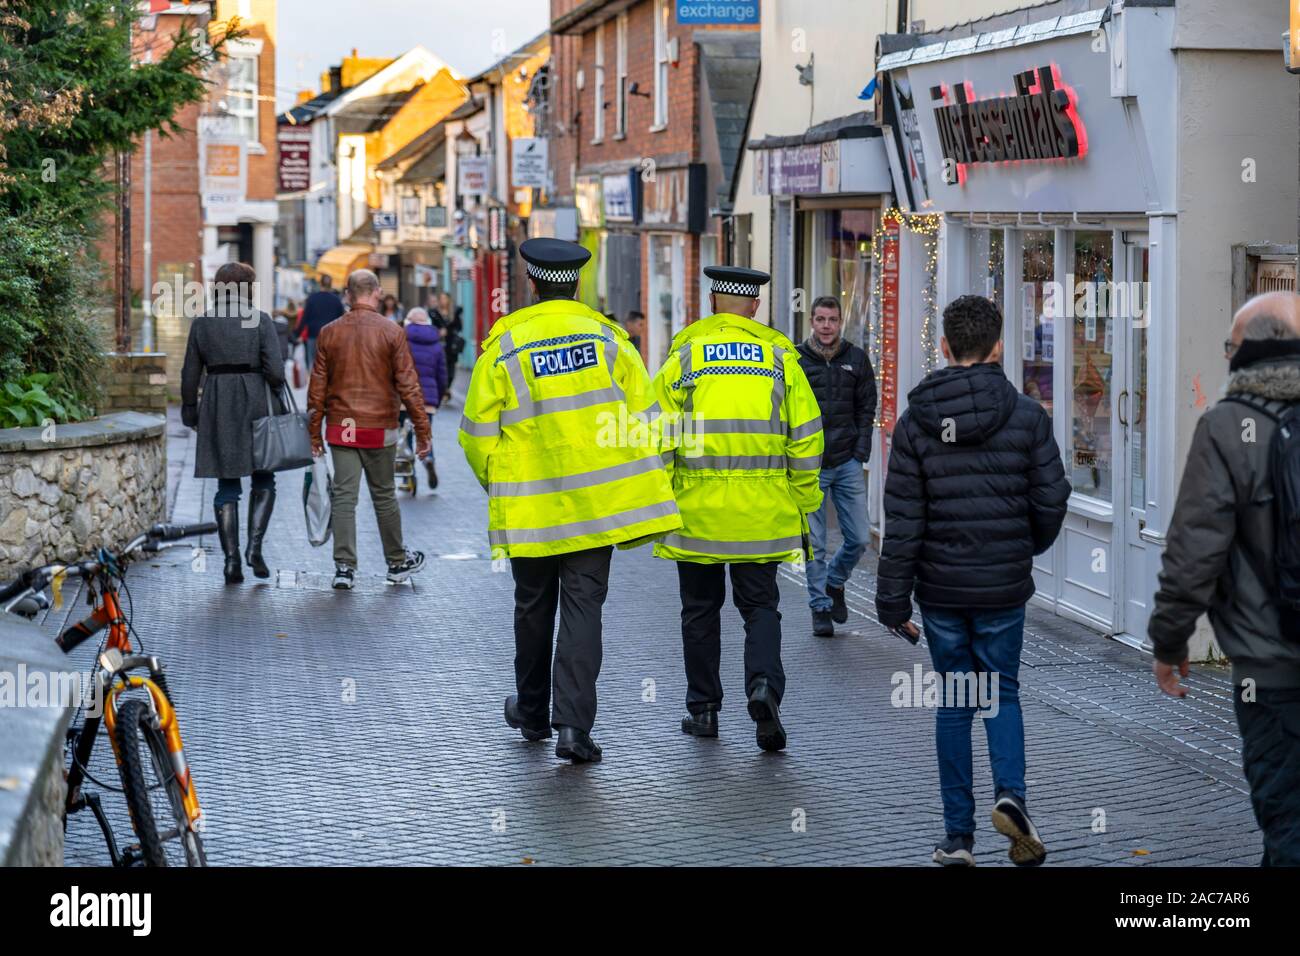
{"x": 561, "y": 494}
{"x": 742, "y": 439}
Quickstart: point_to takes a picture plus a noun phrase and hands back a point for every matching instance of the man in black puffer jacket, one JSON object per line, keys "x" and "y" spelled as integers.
{"x": 841, "y": 377}
{"x": 975, "y": 489}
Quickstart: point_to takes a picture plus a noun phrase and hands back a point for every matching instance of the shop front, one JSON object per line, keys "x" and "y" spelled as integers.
{"x": 828, "y": 187}
{"x": 1056, "y": 202}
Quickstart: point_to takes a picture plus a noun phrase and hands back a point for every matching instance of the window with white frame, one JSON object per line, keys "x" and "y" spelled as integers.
{"x": 620, "y": 57}
{"x": 600, "y": 85}
{"x": 241, "y": 93}
{"x": 661, "y": 64}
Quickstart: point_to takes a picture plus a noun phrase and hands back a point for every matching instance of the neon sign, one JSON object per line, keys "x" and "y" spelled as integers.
{"x": 1039, "y": 123}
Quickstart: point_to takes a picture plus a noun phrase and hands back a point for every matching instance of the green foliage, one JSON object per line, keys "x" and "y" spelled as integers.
{"x": 35, "y": 399}
{"x": 70, "y": 96}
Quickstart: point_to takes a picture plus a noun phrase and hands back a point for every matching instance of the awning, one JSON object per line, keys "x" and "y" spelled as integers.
{"x": 341, "y": 261}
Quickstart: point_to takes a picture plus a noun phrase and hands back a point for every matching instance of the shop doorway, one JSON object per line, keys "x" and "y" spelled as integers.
{"x": 667, "y": 305}
{"x": 1132, "y": 407}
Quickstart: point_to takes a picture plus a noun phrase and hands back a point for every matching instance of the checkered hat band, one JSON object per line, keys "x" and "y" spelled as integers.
{"x": 736, "y": 288}
{"x": 551, "y": 275}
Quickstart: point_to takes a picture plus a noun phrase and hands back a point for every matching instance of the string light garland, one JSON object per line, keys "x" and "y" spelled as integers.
{"x": 926, "y": 226}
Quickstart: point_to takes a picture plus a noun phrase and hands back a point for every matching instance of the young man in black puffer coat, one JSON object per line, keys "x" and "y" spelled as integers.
{"x": 975, "y": 489}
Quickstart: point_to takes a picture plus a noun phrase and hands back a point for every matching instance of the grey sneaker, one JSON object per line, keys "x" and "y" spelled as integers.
{"x": 397, "y": 573}
{"x": 957, "y": 849}
{"x": 343, "y": 577}
{"x": 1011, "y": 819}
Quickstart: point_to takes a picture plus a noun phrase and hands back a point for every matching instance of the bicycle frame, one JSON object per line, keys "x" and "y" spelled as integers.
{"x": 113, "y": 679}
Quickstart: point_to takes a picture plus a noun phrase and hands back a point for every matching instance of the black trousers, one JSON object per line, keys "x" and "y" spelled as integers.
{"x": 577, "y": 583}
{"x": 1270, "y": 756}
{"x": 755, "y": 593}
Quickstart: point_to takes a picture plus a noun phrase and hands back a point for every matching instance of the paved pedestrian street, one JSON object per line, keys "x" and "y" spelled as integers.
{"x": 339, "y": 728}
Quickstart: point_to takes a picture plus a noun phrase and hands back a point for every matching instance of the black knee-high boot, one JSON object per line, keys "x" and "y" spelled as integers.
{"x": 228, "y": 532}
{"x": 260, "y": 505}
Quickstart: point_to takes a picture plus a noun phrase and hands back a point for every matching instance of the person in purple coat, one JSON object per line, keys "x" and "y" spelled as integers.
{"x": 431, "y": 365}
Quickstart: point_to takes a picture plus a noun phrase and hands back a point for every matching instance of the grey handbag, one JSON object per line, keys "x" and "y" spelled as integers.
{"x": 281, "y": 442}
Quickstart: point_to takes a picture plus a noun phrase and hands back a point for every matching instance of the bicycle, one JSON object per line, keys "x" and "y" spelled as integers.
{"x": 135, "y": 726}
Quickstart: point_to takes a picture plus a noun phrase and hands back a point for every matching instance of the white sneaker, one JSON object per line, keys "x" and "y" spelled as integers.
{"x": 343, "y": 577}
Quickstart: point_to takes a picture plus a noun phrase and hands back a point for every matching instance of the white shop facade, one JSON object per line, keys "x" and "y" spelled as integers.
{"x": 1051, "y": 158}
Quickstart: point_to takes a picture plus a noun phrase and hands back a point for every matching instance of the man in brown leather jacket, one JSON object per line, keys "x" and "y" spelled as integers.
{"x": 363, "y": 374}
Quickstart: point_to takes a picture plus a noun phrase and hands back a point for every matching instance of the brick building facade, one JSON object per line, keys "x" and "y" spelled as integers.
{"x": 630, "y": 98}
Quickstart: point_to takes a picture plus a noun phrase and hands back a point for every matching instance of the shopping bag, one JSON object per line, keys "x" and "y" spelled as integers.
{"x": 317, "y": 486}
{"x": 281, "y": 442}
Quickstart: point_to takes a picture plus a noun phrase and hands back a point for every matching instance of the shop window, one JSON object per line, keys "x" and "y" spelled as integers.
{"x": 620, "y": 65}
{"x": 1038, "y": 352}
{"x": 1092, "y": 369}
{"x": 1138, "y": 415}
{"x": 661, "y": 64}
{"x": 839, "y": 265}
{"x": 987, "y": 255}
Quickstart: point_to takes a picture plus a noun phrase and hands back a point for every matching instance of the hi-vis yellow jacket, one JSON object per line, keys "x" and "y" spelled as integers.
{"x": 547, "y": 431}
{"x": 741, "y": 433}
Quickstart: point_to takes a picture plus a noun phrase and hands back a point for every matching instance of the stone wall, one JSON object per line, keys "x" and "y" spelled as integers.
{"x": 67, "y": 490}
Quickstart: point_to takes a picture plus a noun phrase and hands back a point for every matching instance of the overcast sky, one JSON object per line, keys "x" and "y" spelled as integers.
{"x": 470, "y": 35}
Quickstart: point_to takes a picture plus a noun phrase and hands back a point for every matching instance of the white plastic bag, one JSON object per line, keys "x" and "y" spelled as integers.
{"x": 317, "y": 486}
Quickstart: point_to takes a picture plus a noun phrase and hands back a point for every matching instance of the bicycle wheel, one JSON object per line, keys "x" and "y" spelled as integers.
{"x": 153, "y": 794}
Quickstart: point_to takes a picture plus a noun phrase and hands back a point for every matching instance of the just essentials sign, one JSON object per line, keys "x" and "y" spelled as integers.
{"x": 1039, "y": 122}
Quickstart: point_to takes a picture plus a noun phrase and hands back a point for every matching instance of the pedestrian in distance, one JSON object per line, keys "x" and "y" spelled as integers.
{"x": 233, "y": 356}
{"x": 431, "y": 365}
{"x": 1232, "y": 552}
{"x": 845, "y": 385}
{"x": 393, "y": 310}
{"x": 321, "y": 308}
{"x": 563, "y": 491}
{"x": 453, "y": 318}
{"x": 362, "y": 375}
{"x": 976, "y": 488}
{"x": 635, "y": 326}
{"x": 742, "y": 437}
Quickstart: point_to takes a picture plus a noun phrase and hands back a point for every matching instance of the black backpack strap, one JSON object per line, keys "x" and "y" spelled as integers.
{"x": 1257, "y": 406}
{"x": 1261, "y": 573}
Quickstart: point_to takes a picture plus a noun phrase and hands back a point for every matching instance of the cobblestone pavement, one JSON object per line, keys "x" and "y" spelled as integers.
{"x": 420, "y": 767}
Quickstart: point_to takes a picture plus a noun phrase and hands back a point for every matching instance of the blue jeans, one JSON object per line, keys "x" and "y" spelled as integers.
{"x": 231, "y": 489}
{"x": 846, "y": 486}
{"x": 983, "y": 643}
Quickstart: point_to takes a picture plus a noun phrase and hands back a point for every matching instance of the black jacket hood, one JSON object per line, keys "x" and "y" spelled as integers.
{"x": 977, "y": 400}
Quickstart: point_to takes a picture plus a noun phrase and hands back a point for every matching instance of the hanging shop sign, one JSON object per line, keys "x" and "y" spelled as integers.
{"x": 295, "y": 158}
{"x": 1039, "y": 122}
{"x": 472, "y": 174}
{"x": 498, "y": 238}
{"x": 223, "y": 161}
{"x": 528, "y": 162}
{"x": 889, "y": 270}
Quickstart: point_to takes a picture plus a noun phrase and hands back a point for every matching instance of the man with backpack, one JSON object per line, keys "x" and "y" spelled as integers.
{"x": 1234, "y": 551}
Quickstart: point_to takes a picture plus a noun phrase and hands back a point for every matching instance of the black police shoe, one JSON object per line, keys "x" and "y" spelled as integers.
{"x": 839, "y": 610}
{"x": 701, "y": 725}
{"x": 822, "y": 626}
{"x": 763, "y": 710}
{"x": 1011, "y": 819}
{"x": 515, "y": 720}
{"x": 957, "y": 849}
{"x": 577, "y": 745}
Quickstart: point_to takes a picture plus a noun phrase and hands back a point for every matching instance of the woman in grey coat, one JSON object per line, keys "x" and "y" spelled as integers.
{"x": 236, "y": 353}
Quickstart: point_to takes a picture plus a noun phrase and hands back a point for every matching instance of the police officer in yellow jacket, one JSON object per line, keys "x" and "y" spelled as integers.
{"x": 742, "y": 438}
{"x": 569, "y": 475}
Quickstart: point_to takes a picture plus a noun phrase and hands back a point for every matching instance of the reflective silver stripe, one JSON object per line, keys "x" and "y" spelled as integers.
{"x": 668, "y": 455}
{"x": 546, "y": 486}
{"x": 479, "y": 429}
{"x": 561, "y": 403}
{"x": 737, "y": 426}
{"x": 516, "y": 369}
{"x": 807, "y": 429}
{"x": 611, "y": 357}
{"x": 778, "y": 387}
{"x": 579, "y": 528}
{"x": 700, "y": 546}
{"x": 684, "y": 360}
{"x": 734, "y": 462}
{"x": 811, "y": 463}
{"x": 653, "y": 412}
